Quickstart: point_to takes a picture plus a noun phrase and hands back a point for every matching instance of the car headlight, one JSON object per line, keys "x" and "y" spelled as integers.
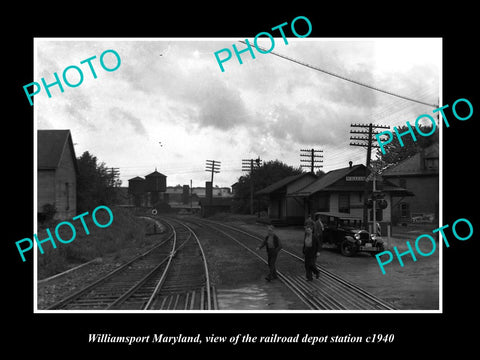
{"x": 373, "y": 237}
{"x": 357, "y": 236}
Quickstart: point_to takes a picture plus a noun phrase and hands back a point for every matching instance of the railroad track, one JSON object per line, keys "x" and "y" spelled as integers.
{"x": 172, "y": 275}
{"x": 331, "y": 292}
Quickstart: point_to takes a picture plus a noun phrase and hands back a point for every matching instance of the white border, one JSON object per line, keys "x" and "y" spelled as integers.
{"x": 35, "y": 194}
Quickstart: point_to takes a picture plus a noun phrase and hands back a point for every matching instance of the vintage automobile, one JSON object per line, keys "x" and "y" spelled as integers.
{"x": 344, "y": 231}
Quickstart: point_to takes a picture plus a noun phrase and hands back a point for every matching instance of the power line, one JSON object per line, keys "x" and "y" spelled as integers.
{"x": 343, "y": 77}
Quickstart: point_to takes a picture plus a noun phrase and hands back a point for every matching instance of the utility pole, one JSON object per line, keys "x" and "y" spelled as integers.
{"x": 367, "y": 132}
{"x": 249, "y": 165}
{"x": 312, "y": 156}
{"x": 213, "y": 166}
{"x": 114, "y": 175}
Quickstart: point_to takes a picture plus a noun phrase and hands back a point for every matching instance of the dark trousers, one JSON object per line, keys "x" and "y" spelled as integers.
{"x": 272, "y": 259}
{"x": 310, "y": 260}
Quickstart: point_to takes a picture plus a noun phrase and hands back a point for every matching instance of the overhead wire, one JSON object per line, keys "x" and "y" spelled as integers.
{"x": 343, "y": 77}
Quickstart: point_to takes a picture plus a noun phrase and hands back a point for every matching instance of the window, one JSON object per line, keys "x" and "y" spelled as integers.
{"x": 404, "y": 210}
{"x": 67, "y": 194}
{"x": 431, "y": 163}
{"x": 344, "y": 203}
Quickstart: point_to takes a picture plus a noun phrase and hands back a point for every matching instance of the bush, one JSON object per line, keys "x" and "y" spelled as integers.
{"x": 47, "y": 214}
{"x": 125, "y": 232}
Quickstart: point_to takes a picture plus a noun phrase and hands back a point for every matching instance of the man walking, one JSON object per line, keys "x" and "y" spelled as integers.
{"x": 273, "y": 245}
{"x": 318, "y": 229}
{"x": 310, "y": 251}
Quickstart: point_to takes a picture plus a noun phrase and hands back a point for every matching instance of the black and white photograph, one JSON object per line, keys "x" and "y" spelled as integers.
{"x": 203, "y": 166}
{"x": 220, "y": 180}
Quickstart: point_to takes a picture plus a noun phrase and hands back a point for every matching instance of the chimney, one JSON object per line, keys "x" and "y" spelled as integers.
{"x": 350, "y": 163}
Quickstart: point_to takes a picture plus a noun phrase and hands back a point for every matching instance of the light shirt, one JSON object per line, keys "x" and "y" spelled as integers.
{"x": 308, "y": 240}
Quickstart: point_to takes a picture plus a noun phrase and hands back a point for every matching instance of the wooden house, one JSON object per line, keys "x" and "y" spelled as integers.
{"x": 420, "y": 175}
{"x": 56, "y": 173}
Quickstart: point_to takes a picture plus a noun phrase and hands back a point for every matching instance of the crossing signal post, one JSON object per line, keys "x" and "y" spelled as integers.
{"x": 249, "y": 165}
{"x": 310, "y": 156}
{"x": 364, "y": 138}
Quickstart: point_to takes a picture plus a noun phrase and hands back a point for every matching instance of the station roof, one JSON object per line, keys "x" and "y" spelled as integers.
{"x": 326, "y": 180}
{"x": 331, "y": 182}
{"x": 282, "y": 183}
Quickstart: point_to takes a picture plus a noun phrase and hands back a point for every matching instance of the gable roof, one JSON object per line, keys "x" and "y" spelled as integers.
{"x": 328, "y": 183}
{"x": 136, "y": 178}
{"x": 413, "y": 165}
{"x": 51, "y": 145}
{"x": 282, "y": 183}
{"x": 155, "y": 174}
{"x": 326, "y": 180}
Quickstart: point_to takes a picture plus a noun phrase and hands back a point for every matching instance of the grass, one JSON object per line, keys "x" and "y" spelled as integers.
{"x": 125, "y": 232}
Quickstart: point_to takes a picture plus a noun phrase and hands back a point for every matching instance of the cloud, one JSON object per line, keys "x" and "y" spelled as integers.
{"x": 121, "y": 116}
{"x": 221, "y": 107}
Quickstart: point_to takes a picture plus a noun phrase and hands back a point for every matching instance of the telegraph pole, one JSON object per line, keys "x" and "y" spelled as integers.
{"x": 312, "y": 156}
{"x": 367, "y": 133}
{"x": 213, "y": 166}
{"x": 114, "y": 175}
{"x": 249, "y": 165}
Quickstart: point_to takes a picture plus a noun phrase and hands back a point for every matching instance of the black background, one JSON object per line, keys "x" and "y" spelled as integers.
{"x": 59, "y": 335}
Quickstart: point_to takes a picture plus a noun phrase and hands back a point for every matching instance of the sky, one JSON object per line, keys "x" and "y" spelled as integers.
{"x": 169, "y": 107}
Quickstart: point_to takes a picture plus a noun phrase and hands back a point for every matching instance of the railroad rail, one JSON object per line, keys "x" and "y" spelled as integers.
{"x": 331, "y": 293}
{"x": 172, "y": 275}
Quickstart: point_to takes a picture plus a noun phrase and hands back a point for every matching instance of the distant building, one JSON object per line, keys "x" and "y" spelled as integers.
{"x": 56, "y": 173}
{"x": 137, "y": 191}
{"x": 418, "y": 174}
{"x": 177, "y": 196}
{"x": 149, "y": 191}
{"x": 215, "y": 205}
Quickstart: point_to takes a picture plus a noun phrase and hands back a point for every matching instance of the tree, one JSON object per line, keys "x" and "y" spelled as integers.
{"x": 394, "y": 152}
{"x": 262, "y": 176}
{"x": 95, "y": 183}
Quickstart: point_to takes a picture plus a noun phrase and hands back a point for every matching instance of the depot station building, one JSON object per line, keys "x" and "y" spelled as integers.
{"x": 339, "y": 191}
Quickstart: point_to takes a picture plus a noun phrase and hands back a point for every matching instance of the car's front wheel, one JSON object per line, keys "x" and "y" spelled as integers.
{"x": 347, "y": 248}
